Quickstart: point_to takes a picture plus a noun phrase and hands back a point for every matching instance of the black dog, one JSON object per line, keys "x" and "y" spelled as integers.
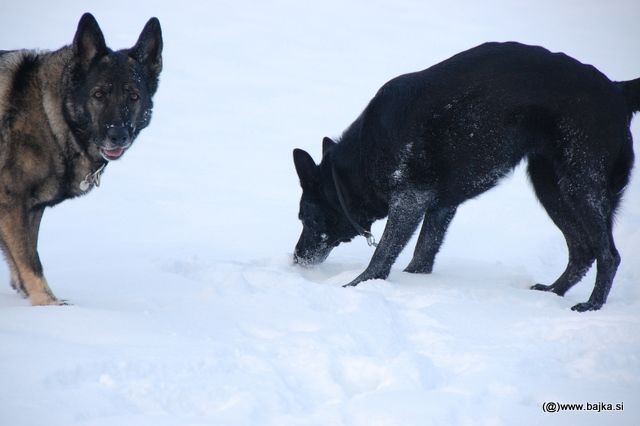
{"x": 430, "y": 140}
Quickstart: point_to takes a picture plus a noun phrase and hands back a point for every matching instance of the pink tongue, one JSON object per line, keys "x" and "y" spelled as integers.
{"x": 116, "y": 152}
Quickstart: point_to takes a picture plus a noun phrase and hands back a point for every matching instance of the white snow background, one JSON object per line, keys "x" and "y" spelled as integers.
{"x": 187, "y": 309}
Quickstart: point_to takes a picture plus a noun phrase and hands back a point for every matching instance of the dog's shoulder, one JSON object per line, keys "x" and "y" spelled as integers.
{"x": 25, "y": 76}
{"x": 11, "y": 63}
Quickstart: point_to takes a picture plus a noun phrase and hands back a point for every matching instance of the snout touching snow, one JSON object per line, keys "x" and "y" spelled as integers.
{"x": 306, "y": 255}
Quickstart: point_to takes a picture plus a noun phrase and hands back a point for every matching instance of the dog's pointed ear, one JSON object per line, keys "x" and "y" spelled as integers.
{"x": 148, "y": 48}
{"x": 88, "y": 42}
{"x": 327, "y": 144}
{"x": 305, "y": 167}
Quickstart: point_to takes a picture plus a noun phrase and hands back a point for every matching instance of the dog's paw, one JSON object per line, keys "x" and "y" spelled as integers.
{"x": 587, "y": 306}
{"x": 541, "y": 287}
{"x": 353, "y": 283}
{"x": 45, "y": 299}
{"x": 416, "y": 268}
{"x": 366, "y": 276}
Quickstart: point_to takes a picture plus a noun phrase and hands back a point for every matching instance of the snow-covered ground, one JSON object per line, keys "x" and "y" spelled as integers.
{"x": 186, "y": 307}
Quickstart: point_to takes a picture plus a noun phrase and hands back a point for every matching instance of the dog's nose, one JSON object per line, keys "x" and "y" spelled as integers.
{"x": 118, "y": 135}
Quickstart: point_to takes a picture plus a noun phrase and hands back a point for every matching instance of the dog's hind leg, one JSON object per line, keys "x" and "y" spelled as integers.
{"x": 405, "y": 211}
{"x": 434, "y": 227}
{"x": 581, "y": 255}
{"x": 585, "y": 186}
{"x": 18, "y": 229}
{"x": 596, "y": 214}
{"x": 596, "y": 201}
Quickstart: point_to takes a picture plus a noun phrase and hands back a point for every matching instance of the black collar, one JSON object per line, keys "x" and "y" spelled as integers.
{"x": 359, "y": 229}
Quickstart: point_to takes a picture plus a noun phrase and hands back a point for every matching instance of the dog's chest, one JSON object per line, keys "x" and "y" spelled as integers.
{"x": 72, "y": 178}
{"x": 81, "y": 176}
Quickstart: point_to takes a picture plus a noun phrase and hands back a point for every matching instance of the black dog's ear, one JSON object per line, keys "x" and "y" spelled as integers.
{"x": 148, "y": 48}
{"x": 327, "y": 144}
{"x": 305, "y": 167}
{"x": 88, "y": 42}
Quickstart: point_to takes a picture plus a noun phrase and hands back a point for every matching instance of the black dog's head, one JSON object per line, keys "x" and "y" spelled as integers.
{"x": 324, "y": 224}
{"x": 108, "y": 94}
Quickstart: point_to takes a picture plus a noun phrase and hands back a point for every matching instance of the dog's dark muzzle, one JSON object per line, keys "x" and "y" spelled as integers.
{"x": 118, "y": 136}
{"x": 115, "y": 143}
{"x": 308, "y": 256}
{"x": 310, "y": 260}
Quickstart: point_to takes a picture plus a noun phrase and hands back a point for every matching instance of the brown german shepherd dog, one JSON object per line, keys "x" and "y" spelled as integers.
{"x": 63, "y": 116}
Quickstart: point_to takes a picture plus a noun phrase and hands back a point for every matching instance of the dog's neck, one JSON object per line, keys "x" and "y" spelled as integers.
{"x": 50, "y": 76}
{"x": 364, "y": 205}
{"x": 77, "y": 156}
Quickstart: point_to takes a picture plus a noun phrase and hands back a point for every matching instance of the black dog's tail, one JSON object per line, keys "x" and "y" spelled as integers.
{"x": 631, "y": 91}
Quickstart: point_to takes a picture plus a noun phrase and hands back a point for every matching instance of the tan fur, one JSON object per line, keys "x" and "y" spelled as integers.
{"x": 14, "y": 226}
{"x": 15, "y": 281}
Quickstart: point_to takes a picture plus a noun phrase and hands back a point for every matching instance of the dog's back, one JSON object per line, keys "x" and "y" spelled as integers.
{"x": 464, "y": 123}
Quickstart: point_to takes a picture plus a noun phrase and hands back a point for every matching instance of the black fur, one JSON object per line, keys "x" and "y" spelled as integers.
{"x": 126, "y": 79}
{"x": 430, "y": 140}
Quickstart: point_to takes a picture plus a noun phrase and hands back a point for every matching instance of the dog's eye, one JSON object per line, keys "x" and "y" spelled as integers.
{"x": 134, "y": 96}
{"x": 98, "y": 94}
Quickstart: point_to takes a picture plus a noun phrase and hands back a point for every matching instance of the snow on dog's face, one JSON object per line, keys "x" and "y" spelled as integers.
{"x": 109, "y": 97}
{"x": 324, "y": 225}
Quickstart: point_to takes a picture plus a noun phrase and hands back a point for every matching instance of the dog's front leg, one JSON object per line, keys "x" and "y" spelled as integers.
{"x": 405, "y": 212}
{"x": 19, "y": 231}
{"x": 434, "y": 227}
{"x": 14, "y": 279}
